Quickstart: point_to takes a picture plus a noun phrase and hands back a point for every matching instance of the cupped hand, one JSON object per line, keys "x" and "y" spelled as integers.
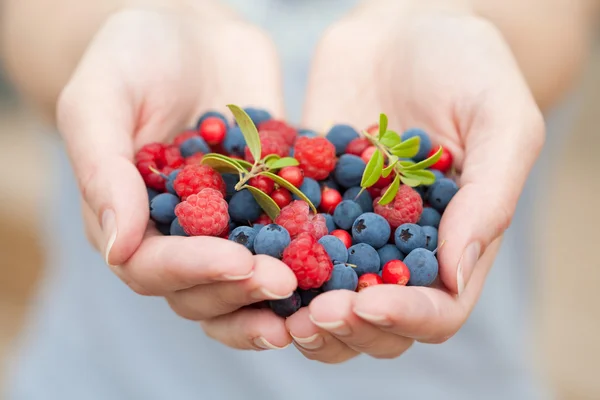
{"x": 453, "y": 75}
{"x": 146, "y": 76}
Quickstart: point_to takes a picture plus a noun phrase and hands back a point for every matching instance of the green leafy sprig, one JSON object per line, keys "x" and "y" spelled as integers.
{"x": 387, "y": 160}
{"x": 266, "y": 166}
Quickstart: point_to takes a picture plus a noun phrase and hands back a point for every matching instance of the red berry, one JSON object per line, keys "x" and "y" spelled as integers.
{"x": 263, "y": 183}
{"x": 344, "y": 236}
{"x": 395, "y": 272}
{"x": 287, "y": 132}
{"x": 213, "y": 130}
{"x": 194, "y": 159}
{"x": 330, "y": 198}
{"x": 383, "y": 182}
{"x": 406, "y": 207}
{"x": 203, "y": 214}
{"x": 297, "y": 218}
{"x": 316, "y": 156}
{"x": 152, "y": 157}
{"x": 271, "y": 143}
{"x": 368, "y": 153}
{"x": 366, "y": 280}
{"x": 173, "y": 157}
{"x": 444, "y": 163}
{"x": 374, "y": 192}
{"x": 293, "y": 175}
{"x": 282, "y": 197}
{"x": 373, "y": 129}
{"x": 193, "y": 178}
{"x": 309, "y": 261}
{"x": 357, "y": 146}
{"x": 185, "y": 135}
{"x": 264, "y": 219}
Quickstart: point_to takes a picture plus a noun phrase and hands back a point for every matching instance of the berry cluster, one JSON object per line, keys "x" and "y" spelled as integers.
{"x": 345, "y": 210}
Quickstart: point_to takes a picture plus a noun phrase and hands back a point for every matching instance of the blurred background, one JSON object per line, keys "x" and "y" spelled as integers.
{"x": 567, "y": 315}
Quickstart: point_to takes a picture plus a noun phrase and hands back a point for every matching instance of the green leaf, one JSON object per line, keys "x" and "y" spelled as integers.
{"x": 248, "y": 129}
{"x": 410, "y": 181}
{"x": 271, "y": 158}
{"x": 425, "y": 177}
{"x": 388, "y": 170}
{"x": 264, "y": 201}
{"x": 428, "y": 162}
{"x": 373, "y": 170}
{"x": 222, "y": 164}
{"x": 282, "y": 182}
{"x": 390, "y": 139}
{"x": 383, "y": 124}
{"x": 242, "y": 164}
{"x": 407, "y": 148}
{"x": 390, "y": 194}
{"x": 282, "y": 162}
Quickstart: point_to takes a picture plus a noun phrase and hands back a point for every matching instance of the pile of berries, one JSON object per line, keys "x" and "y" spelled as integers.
{"x": 331, "y": 232}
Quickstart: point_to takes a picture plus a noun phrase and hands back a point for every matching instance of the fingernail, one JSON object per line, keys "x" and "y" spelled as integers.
{"x": 380, "y": 320}
{"x": 466, "y": 265}
{"x": 238, "y": 277}
{"x": 262, "y": 343}
{"x": 264, "y": 294}
{"x": 109, "y": 229}
{"x": 339, "y": 328}
{"x": 310, "y": 343}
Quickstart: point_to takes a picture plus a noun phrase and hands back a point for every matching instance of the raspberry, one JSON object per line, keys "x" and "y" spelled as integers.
{"x": 203, "y": 214}
{"x": 152, "y": 156}
{"x": 297, "y": 219}
{"x": 287, "y": 132}
{"x": 271, "y": 143}
{"x": 357, "y": 146}
{"x": 316, "y": 156}
{"x": 185, "y": 135}
{"x": 193, "y": 178}
{"x": 309, "y": 261}
{"x": 406, "y": 208}
{"x": 173, "y": 157}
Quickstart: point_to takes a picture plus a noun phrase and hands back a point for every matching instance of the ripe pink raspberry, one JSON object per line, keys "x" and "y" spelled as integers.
{"x": 406, "y": 207}
{"x": 316, "y": 156}
{"x": 271, "y": 142}
{"x": 286, "y": 131}
{"x": 193, "y": 178}
{"x": 203, "y": 214}
{"x": 173, "y": 157}
{"x": 309, "y": 261}
{"x": 152, "y": 156}
{"x": 297, "y": 218}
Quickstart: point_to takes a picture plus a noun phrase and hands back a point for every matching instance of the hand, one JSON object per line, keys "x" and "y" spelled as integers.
{"x": 147, "y": 75}
{"x": 453, "y": 75}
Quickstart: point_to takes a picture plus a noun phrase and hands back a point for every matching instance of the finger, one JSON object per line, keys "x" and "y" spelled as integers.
{"x": 249, "y": 329}
{"x": 315, "y": 343}
{"x": 272, "y": 280}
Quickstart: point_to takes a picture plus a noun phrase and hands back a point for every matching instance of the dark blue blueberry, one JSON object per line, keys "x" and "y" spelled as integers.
{"x": 389, "y": 252}
{"x": 365, "y": 258}
{"x": 346, "y": 213}
{"x": 423, "y": 267}
{"x": 232, "y": 225}
{"x": 422, "y": 190}
{"x": 438, "y": 174}
{"x": 340, "y": 135}
{"x": 209, "y": 114}
{"x": 431, "y": 235}
{"x": 286, "y": 307}
{"x": 440, "y": 193}
{"x": 307, "y": 132}
{"x": 194, "y": 145}
{"x": 234, "y": 142}
{"x": 330, "y": 183}
{"x": 372, "y": 229}
{"x": 335, "y": 248}
{"x": 164, "y": 229}
{"x": 291, "y": 153}
{"x": 308, "y": 295}
{"x": 176, "y": 229}
{"x": 151, "y": 194}
{"x": 424, "y": 147}
{"x": 230, "y": 181}
{"x": 430, "y": 217}
{"x": 409, "y": 237}
{"x": 342, "y": 277}
{"x": 365, "y": 201}
{"x": 258, "y": 227}
{"x": 349, "y": 170}
{"x": 243, "y": 208}
{"x": 245, "y": 236}
{"x": 329, "y": 221}
{"x": 162, "y": 208}
{"x": 257, "y": 115}
{"x": 272, "y": 240}
{"x": 312, "y": 190}
{"x": 170, "y": 179}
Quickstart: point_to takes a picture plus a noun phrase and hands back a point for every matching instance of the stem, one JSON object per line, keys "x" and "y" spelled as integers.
{"x": 256, "y": 169}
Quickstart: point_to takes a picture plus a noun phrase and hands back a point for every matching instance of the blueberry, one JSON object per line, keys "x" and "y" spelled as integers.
{"x": 272, "y": 240}
{"x": 329, "y": 221}
{"x": 308, "y": 295}
{"x": 372, "y": 229}
{"x": 232, "y": 225}
{"x": 438, "y": 174}
{"x": 342, "y": 277}
{"x": 176, "y": 229}
{"x": 230, "y": 181}
{"x": 330, "y": 183}
{"x": 291, "y": 153}
{"x": 243, "y": 208}
{"x": 441, "y": 192}
{"x": 346, "y": 213}
{"x": 307, "y": 132}
{"x": 151, "y": 194}
{"x": 431, "y": 237}
{"x": 365, "y": 258}
{"x": 312, "y": 190}
{"x": 387, "y": 253}
{"x": 162, "y": 208}
{"x": 423, "y": 267}
{"x": 164, "y": 229}
{"x": 409, "y": 237}
{"x": 340, "y": 135}
{"x": 424, "y": 147}
{"x": 244, "y": 235}
{"x": 194, "y": 145}
{"x": 349, "y": 170}
{"x": 257, "y": 227}
{"x": 209, "y": 114}
{"x": 430, "y": 217}
{"x": 286, "y": 307}
{"x": 234, "y": 142}
{"x": 335, "y": 248}
{"x": 257, "y": 115}
{"x": 170, "y": 179}
{"x": 365, "y": 201}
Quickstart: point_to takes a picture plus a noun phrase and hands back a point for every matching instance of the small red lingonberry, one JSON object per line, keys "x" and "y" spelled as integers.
{"x": 330, "y": 198}
{"x": 213, "y": 130}
{"x": 344, "y": 236}
{"x": 263, "y": 183}
{"x": 444, "y": 163}
{"x": 282, "y": 197}
{"x": 293, "y": 175}
{"x": 357, "y": 146}
{"x": 368, "y": 153}
{"x": 395, "y": 272}
{"x": 366, "y": 280}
